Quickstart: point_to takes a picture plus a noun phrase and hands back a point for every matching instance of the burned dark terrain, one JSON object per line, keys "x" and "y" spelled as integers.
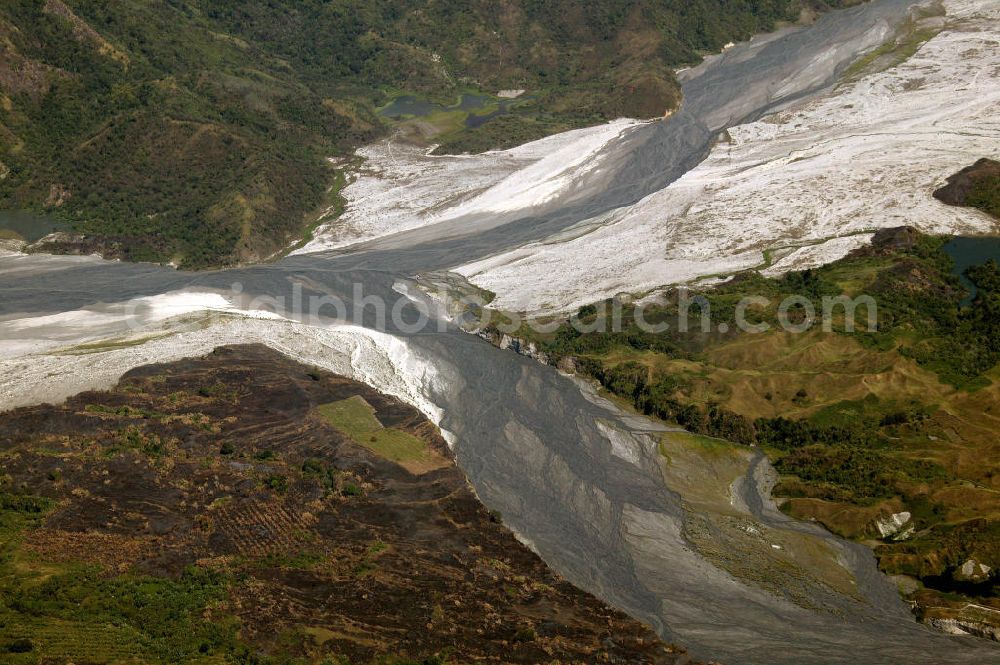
{"x": 210, "y": 511}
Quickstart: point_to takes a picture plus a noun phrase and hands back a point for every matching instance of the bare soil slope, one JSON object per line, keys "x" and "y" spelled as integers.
{"x": 220, "y": 510}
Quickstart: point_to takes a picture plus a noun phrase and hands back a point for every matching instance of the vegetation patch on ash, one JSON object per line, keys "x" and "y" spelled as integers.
{"x": 220, "y": 510}
{"x": 976, "y": 186}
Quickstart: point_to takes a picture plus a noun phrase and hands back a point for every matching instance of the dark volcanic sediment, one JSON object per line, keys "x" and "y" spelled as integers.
{"x": 223, "y": 463}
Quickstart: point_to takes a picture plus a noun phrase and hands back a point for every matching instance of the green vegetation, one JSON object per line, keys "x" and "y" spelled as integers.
{"x": 18, "y": 512}
{"x": 356, "y": 418}
{"x": 896, "y": 52}
{"x": 199, "y": 132}
{"x": 477, "y": 122}
{"x": 79, "y": 613}
{"x": 296, "y": 561}
{"x": 350, "y": 489}
{"x": 859, "y": 424}
{"x": 985, "y": 195}
{"x": 853, "y": 473}
{"x": 277, "y": 483}
{"x": 353, "y": 416}
{"x": 75, "y": 612}
{"x": 133, "y": 438}
{"x": 526, "y": 124}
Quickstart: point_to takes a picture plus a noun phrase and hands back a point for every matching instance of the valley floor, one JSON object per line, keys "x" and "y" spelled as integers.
{"x": 804, "y": 183}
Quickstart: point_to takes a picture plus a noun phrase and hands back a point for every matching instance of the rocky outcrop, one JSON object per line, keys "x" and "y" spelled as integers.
{"x": 889, "y": 241}
{"x": 518, "y": 345}
{"x": 964, "y": 627}
{"x": 961, "y": 185}
{"x": 11, "y": 245}
{"x": 894, "y": 526}
{"x": 972, "y": 571}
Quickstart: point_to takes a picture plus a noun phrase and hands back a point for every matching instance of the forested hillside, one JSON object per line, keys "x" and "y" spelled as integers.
{"x": 198, "y": 131}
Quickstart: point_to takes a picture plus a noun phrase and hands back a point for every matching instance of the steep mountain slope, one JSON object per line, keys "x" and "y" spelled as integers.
{"x": 197, "y": 131}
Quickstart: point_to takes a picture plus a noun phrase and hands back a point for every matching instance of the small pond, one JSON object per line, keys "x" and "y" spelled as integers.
{"x": 967, "y": 252}
{"x": 480, "y": 108}
{"x": 28, "y": 225}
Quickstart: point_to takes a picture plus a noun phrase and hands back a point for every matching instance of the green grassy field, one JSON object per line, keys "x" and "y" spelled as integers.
{"x": 356, "y": 418}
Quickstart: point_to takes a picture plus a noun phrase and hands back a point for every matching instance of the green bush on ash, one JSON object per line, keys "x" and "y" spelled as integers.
{"x": 525, "y": 634}
{"x": 133, "y": 438}
{"x": 277, "y": 483}
{"x": 313, "y": 467}
{"x": 24, "y": 504}
{"x": 327, "y": 476}
{"x": 985, "y": 195}
{"x": 296, "y": 561}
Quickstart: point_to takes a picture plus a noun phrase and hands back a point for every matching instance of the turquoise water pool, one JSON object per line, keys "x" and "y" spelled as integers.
{"x": 967, "y": 252}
